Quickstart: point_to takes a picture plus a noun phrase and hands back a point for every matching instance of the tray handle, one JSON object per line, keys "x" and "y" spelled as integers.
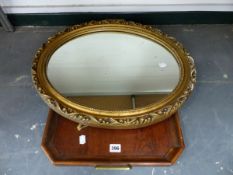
{"x": 107, "y": 167}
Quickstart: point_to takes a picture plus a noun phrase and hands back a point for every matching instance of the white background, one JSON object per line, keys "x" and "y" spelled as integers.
{"x": 51, "y": 6}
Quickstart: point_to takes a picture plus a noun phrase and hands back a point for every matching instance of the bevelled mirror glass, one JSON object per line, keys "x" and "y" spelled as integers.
{"x": 113, "y": 74}
{"x": 113, "y": 71}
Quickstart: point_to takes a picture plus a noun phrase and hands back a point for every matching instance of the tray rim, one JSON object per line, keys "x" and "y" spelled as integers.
{"x": 170, "y": 157}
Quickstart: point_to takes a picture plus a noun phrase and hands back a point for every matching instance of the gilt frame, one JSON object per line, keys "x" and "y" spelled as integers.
{"x": 127, "y": 119}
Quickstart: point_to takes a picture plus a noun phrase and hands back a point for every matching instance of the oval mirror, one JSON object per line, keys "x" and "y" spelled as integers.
{"x": 113, "y": 74}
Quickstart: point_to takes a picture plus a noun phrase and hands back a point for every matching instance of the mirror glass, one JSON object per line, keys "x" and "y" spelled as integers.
{"x": 113, "y": 71}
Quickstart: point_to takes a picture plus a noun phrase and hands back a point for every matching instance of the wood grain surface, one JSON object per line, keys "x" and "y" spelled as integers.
{"x": 159, "y": 144}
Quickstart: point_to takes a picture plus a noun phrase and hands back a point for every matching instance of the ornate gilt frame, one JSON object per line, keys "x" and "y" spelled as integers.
{"x": 127, "y": 119}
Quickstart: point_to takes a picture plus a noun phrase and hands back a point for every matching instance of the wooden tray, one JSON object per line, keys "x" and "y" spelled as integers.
{"x": 159, "y": 144}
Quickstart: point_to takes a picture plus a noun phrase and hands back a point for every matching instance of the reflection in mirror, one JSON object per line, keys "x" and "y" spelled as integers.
{"x": 113, "y": 71}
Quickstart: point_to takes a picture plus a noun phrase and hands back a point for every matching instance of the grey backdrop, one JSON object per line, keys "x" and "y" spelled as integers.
{"x": 206, "y": 117}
